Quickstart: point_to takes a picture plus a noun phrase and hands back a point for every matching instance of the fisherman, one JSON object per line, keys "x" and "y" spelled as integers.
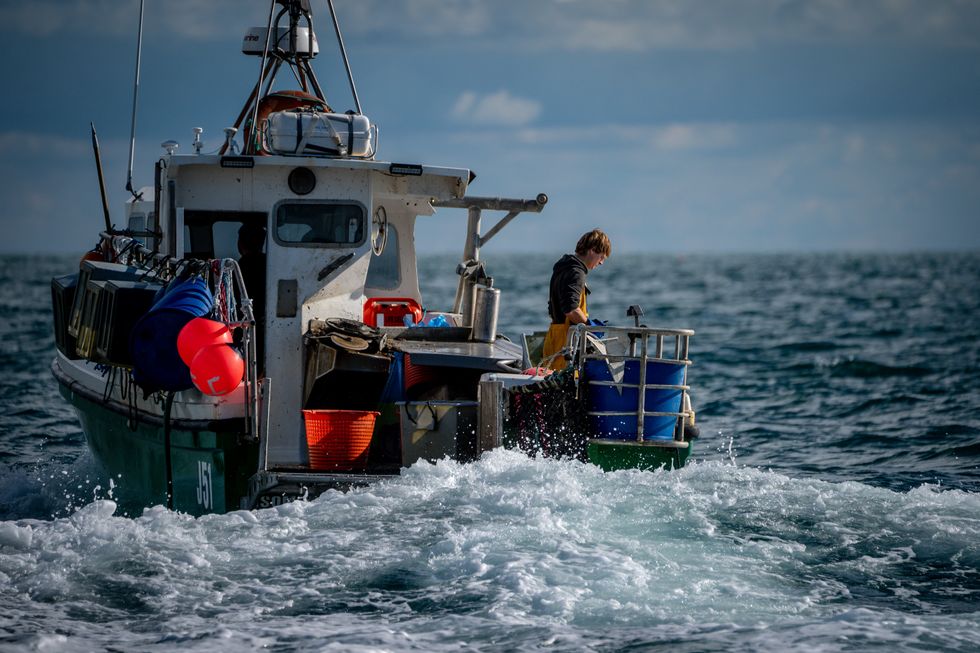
{"x": 567, "y": 296}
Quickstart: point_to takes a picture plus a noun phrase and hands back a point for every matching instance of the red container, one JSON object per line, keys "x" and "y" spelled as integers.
{"x": 338, "y": 440}
{"x": 391, "y": 311}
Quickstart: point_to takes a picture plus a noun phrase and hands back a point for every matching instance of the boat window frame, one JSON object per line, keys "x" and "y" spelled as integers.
{"x": 274, "y": 223}
{"x": 207, "y": 219}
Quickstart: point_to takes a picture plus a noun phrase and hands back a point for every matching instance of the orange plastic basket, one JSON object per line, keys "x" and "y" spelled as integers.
{"x": 338, "y": 440}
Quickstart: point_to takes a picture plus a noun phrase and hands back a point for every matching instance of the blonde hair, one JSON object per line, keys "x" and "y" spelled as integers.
{"x": 594, "y": 241}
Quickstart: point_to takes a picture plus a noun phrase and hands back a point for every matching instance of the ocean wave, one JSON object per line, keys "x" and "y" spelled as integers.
{"x": 843, "y": 386}
{"x": 511, "y": 542}
{"x": 868, "y": 369}
{"x": 807, "y": 346}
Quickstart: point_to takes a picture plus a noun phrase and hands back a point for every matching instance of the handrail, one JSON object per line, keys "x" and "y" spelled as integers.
{"x": 640, "y": 330}
{"x": 248, "y": 341}
{"x": 651, "y": 386}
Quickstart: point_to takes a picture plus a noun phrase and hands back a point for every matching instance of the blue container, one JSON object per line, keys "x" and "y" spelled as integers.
{"x": 191, "y": 296}
{"x": 394, "y": 389}
{"x": 153, "y": 342}
{"x": 607, "y": 398}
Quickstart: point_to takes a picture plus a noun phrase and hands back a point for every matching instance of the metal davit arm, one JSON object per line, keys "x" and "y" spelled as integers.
{"x": 468, "y": 268}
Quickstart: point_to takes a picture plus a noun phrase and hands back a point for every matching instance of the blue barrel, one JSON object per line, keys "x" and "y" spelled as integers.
{"x": 153, "y": 342}
{"x": 608, "y": 398}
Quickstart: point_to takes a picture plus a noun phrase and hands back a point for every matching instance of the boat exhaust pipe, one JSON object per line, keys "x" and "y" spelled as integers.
{"x": 486, "y": 308}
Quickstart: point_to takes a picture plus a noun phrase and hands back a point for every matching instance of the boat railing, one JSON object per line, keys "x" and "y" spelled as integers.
{"x": 643, "y": 345}
{"x": 240, "y": 314}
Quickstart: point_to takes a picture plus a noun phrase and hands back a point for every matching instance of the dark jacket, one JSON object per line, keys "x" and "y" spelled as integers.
{"x": 567, "y": 284}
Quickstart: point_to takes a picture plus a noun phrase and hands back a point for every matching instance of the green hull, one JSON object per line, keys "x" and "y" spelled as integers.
{"x": 612, "y": 455}
{"x": 208, "y": 469}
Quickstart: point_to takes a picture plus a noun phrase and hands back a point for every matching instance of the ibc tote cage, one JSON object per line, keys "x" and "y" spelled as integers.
{"x": 638, "y": 349}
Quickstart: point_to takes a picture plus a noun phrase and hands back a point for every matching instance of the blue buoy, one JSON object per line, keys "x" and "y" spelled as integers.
{"x": 153, "y": 343}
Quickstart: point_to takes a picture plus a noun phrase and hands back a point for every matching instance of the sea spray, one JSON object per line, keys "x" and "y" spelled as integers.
{"x": 509, "y": 542}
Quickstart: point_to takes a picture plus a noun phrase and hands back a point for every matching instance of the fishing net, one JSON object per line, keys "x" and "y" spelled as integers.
{"x": 548, "y": 417}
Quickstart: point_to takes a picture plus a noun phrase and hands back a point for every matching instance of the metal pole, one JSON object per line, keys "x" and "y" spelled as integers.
{"x": 471, "y": 252}
{"x": 136, "y": 88}
{"x": 343, "y": 53}
{"x": 98, "y": 168}
{"x": 641, "y": 409}
{"x": 248, "y": 149}
{"x": 245, "y": 109}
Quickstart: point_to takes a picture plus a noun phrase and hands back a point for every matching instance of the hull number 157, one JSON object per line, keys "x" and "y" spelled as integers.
{"x": 204, "y": 495}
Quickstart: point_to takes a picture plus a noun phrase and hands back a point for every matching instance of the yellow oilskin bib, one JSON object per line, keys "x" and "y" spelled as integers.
{"x": 557, "y": 338}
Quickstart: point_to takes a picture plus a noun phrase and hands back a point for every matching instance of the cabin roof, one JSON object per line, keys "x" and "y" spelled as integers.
{"x": 392, "y": 168}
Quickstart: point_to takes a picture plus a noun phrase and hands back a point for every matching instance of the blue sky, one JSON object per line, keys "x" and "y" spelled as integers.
{"x": 680, "y": 126}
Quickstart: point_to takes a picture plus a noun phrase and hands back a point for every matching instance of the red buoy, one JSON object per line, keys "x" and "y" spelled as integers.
{"x": 93, "y": 255}
{"x": 217, "y": 370}
{"x": 198, "y": 334}
{"x": 538, "y": 371}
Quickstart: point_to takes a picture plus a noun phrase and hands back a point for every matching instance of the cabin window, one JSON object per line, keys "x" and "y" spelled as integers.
{"x": 385, "y": 270}
{"x": 318, "y": 224}
{"x": 137, "y": 222}
{"x": 214, "y": 234}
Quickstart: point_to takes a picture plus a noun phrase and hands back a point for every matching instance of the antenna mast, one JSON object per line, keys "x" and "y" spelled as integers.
{"x": 136, "y": 88}
{"x": 343, "y": 52}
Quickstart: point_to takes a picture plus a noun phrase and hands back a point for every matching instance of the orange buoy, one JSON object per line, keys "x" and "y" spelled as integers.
{"x": 198, "y": 334}
{"x": 217, "y": 370}
{"x": 91, "y": 255}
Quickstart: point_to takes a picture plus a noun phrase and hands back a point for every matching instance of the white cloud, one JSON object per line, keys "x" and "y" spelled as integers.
{"x": 14, "y": 143}
{"x": 637, "y": 25}
{"x": 500, "y": 108}
{"x": 675, "y": 137}
{"x": 189, "y": 19}
{"x": 621, "y": 25}
{"x": 417, "y": 18}
{"x": 695, "y": 136}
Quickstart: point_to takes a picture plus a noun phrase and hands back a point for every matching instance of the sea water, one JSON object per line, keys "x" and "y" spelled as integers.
{"x": 831, "y": 503}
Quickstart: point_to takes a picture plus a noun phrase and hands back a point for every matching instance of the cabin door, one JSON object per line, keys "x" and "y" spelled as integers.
{"x": 318, "y": 256}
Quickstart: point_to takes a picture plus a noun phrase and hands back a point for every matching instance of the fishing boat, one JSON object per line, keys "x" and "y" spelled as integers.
{"x": 255, "y": 333}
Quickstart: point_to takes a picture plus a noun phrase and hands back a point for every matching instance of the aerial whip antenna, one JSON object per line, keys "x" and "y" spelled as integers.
{"x": 343, "y": 53}
{"x": 98, "y": 169}
{"x": 258, "y": 87}
{"x": 136, "y": 88}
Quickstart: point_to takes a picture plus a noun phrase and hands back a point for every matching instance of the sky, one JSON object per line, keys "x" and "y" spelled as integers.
{"x": 675, "y": 125}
